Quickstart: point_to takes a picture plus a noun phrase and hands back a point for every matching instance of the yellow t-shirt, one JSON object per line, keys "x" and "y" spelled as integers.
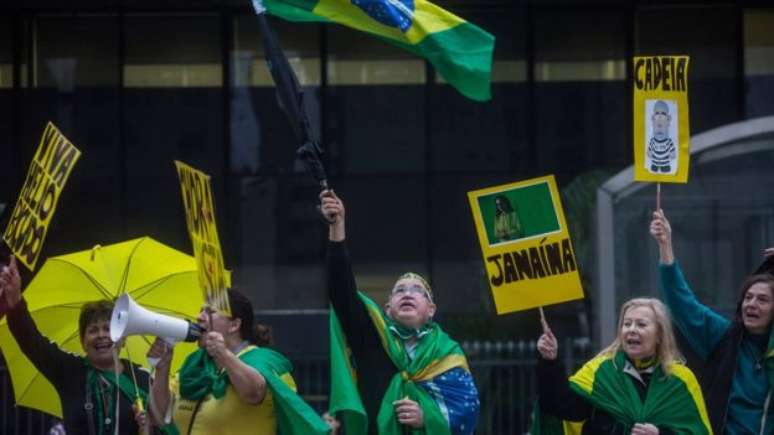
{"x": 227, "y": 415}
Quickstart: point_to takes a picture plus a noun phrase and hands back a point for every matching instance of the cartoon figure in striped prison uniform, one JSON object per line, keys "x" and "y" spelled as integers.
{"x": 661, "y": 151}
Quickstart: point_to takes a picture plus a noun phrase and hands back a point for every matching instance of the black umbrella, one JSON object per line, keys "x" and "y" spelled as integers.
{"x": 291, "y": 101}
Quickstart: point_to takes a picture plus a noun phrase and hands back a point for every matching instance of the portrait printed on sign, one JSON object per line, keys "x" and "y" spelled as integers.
{"x": 525, "y": 244}
{"x": 661, "y": 136}
{"x": 518, "y": 213}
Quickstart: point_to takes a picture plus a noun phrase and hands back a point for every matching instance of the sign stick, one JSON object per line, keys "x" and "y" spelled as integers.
{"x": 658, "y": 196}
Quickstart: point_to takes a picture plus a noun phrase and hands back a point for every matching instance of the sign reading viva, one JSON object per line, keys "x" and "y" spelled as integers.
{"x": 200, "y": 217}
{"x": 526, "y": 246}
{"x": 54, "y": 159}
{"x": 661, "y": 127}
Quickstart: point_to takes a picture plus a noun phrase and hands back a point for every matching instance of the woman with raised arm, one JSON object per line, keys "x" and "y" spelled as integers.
{"x": 86, "y": 384}
{"x": 637, "y": 385}
{"x": 411, "y": 376}
{"x": 735, "y": 364}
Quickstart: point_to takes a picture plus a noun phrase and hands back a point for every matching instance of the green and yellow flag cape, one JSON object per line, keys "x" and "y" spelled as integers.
{"x": 199, "y": 377}
{"x": 124, "y": 383}
{"x": 460, "y": 51}
{"x": 673, "y": 401}
{"x": 544, "y": 424}
{"x": 435, "y": 354}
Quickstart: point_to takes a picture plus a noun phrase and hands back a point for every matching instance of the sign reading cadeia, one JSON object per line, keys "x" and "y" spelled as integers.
{"x": 661, "y": 127}
{"x": 526, "y": 245}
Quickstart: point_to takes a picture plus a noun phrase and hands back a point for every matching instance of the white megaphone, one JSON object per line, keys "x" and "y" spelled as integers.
{"x": 129, "y": 318}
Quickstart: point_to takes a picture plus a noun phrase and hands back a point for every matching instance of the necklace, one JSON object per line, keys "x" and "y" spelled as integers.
{"x": 105, "y": 394}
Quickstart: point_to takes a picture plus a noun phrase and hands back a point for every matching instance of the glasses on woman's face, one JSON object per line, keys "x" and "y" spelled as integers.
{"x": 402, "y": 289}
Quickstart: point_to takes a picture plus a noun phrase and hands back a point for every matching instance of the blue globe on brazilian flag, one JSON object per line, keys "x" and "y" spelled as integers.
{"x": 460, "y": 51}
{"x": 396, "y": 13}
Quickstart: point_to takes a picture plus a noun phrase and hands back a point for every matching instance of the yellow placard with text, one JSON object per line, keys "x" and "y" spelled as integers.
{"x": 49, "y": 170}
{"x": 661, "y": 119}
{"x": 526, "y": 245}
{"x": 200, "y": 218}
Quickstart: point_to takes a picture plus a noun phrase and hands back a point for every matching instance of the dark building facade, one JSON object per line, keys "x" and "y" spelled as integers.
{"x": 137, "y": 84}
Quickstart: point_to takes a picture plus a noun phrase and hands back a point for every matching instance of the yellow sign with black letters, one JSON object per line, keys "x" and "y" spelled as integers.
{"x": 526, "y": 245}
{"x": 661, "y": 119}
{"x": 200, "y": 218}
{"x": 51, "y": 166}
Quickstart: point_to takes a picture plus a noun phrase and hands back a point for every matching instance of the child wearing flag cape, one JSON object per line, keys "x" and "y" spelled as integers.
{"x": 230, "y": 386}
{"x": 636, "y": 386}
{"x": 394, "y": 370}
{"x": 735, "y": 357}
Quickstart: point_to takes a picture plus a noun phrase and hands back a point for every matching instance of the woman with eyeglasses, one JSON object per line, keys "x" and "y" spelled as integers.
{"x": 418, "y": 379}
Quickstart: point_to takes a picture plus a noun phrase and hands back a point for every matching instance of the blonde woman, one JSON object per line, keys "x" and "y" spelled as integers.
{"x": 637, "y": 385}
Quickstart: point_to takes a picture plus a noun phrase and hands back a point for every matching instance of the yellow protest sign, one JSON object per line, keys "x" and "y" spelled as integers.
{"x": 526, "y": 245}
{"x": 200, "y": 218}
{"x": 661, "y": 121}
{"x": 54, "y": 159}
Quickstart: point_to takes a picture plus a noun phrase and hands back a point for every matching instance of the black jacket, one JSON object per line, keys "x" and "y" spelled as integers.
{"x": 374, "y": 367}
{"x": 716, "y": 373}
{"x": 557, "y": 399}
{"x": 67, "y": 373}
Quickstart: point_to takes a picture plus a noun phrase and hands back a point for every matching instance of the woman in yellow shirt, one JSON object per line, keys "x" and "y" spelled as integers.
{"x": 229, "y": 385}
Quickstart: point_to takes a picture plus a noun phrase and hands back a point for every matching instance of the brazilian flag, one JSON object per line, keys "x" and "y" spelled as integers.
{"x": 460, "y": 51}
{"x": 200, "y": 377}
{"x": 673, "y": 401}
{"x": 435, "y": 355}
{"x": 544, "y": 424}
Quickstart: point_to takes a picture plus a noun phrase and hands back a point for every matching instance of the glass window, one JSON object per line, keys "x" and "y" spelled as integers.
{"x": 470, "y": 136}
{"x": 300, "y": 42}
{"x": 262, "y": 139}
{"x": 172, "y": 113}
{"x": 8, "y": 150}
{"x": 718, "y": 235}
{"x": 273, "y": 215}
{"x": 75, "y": 85}
{"x": 711, "y": 41}
{"x": 69, "y": 53}
{"x": 6, "y": 53}
{"x": 580, "y": 91}
{"x": 281, "y": 250}
{"x": 386, "y": 236}
{"x": 375, "y": 105}
{"x": 357, "y": 58}
{"x": 458, "y": 270}
{"x": 278, "y": 233}
{"x": 173, "y": 51}
{"x": 759, "y": 62}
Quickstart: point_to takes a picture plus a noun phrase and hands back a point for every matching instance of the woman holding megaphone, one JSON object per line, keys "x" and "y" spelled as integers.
{"x": 231, "y": 385}
{"x": 86, "y": 385}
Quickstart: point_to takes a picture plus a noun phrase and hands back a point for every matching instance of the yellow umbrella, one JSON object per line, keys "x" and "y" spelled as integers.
{"x": 156, "y": 276}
